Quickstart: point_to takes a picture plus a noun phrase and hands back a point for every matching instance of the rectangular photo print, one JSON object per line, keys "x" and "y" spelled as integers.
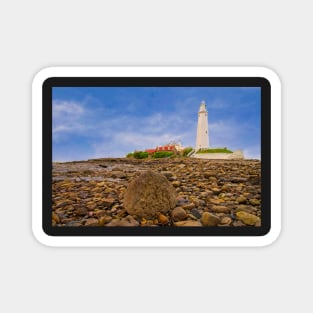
{"x": 144, "y": 156}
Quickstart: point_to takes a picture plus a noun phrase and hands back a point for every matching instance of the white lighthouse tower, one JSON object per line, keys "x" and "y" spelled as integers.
{"x": 202, "y": 141}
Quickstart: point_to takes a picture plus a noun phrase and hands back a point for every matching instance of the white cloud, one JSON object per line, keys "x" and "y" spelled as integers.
{"x": 70, "y": 108}
{"x": 253, "y": 152}
{"x": 67, "y": 118}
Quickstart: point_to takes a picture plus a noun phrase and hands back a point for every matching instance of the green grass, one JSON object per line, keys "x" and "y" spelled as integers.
{"x": 217, "y": 150}
{"x": 186, "y": 151}
{"x": 162, "y": 154}
{"x": 138, "y": 155}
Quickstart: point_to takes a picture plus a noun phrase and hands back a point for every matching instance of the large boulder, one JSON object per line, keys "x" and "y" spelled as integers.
{"x": 148, "y": 195}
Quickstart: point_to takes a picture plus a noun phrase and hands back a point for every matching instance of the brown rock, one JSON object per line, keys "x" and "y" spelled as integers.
{"x": 216, "y": 190}
{"x": 118, "y": 174}
{"x": 55, "y": 218}
{"x": 226, "y": 220}
{"x": 208, "y": 219}
{"x": 114, "y": 222}
{"x": 246, "y": 208}
{"x": 178, "y": 214}
{"x": 176, "y": 183}
{"x": 241, "y": 199}
{"x": 189, "y": 206}
{"x": 107, "y": 202}
{"x": 254, "y": 201}
{"x": 127, "y": 221}
{"x": 247, "y": 218}
{"x": 74, "y": 224}
{"x": 162, "y": 219}
{"x": 209, "y": 174}
{"x": 217, "y": 201}
{"x": 148, "y": 195}
{"x": 188, "y": 224}
{"x": 104, "y": 220}
{"x": 92, "y": 222}
{"x": 220, "y": 209}
{"x": 167, "y": 174}
{"x": 101, "y": 213}
{"x": 82, "y": 211}
{"x": 238, "y": 224}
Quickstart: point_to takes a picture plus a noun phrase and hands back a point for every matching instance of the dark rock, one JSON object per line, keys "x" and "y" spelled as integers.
{"x": 181, "y": 201}
{"x": 239, "y": 179}
{"x": 195, "y": 213}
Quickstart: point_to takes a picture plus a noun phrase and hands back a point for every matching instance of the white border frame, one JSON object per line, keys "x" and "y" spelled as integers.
{"x": 156, "y": 241}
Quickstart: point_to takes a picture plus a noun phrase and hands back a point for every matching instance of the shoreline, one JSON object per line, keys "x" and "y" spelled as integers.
{"x": 90, "y": 192}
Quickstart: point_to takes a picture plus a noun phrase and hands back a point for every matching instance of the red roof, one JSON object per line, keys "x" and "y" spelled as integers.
{"x": 161, "y": 148}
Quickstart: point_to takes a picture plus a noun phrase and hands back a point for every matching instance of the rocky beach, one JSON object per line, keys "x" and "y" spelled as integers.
{"x": 171, "y": 192}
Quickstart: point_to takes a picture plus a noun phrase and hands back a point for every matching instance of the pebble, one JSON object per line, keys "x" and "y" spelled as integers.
{"x": 189, "y": 206}
{"x": 82, "y": 211}
{"x": 188, "y": 224}
{"x": 107, "y": 202}
{"x": 241, "y": 199}
{"x": 246, "y": 208}
{"x": 176, "y": 183}
{"x": 195, "y": 213}
{"x": 216, "y": 190}
{"x": 247, "y": 218}
{"x": 226, "y": 220}
{"x": 128, "y": 221}
{"x": 178, "y": 214}
{"x": 254, "y": 201}
{"x": 55, "y": 217}
{"x": 162, "y": 219}
{"x": 104, "y": 220}
{"x": 92, "y": 222}
{"x": 220, "y": 209}
{"x": 208, "y": 219}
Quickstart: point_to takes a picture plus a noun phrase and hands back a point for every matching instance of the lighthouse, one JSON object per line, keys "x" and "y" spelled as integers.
{"x": 202, "y": 141}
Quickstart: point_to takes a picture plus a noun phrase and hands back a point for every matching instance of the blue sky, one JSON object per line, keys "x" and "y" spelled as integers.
{"x": 96, "y": 122}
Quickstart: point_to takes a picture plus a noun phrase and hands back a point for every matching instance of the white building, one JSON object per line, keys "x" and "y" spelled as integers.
{"x": 202, "y": 141}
